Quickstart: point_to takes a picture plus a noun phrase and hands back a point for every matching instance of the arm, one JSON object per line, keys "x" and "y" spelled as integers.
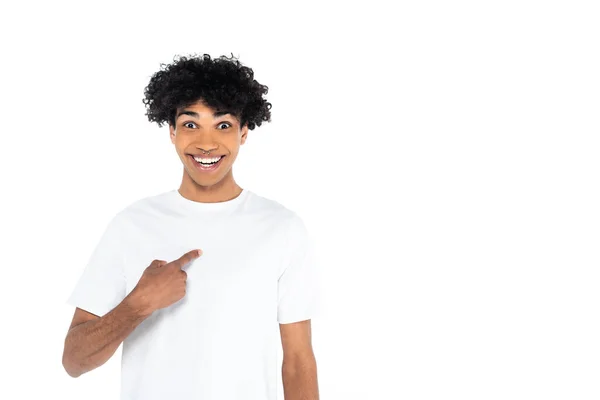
{"x": 299, "y": 369}
{"x": 92, "y": 340}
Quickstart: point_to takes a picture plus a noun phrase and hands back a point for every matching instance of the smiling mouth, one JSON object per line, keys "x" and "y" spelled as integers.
{"x": 207, "y": 163}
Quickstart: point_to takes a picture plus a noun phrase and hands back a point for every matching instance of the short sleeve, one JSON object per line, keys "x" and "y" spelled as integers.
{"x": 298, "y": 285}
{"x": 101, "y": 286}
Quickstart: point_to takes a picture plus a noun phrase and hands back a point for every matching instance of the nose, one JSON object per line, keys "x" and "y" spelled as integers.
{"x": 206, "y": 149}
{"x": 206, "y": 143}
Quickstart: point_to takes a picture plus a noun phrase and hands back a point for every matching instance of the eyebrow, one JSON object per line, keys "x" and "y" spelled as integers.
{"x": 216, "y": 114}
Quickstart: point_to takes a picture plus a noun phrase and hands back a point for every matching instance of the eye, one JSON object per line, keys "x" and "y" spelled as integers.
{"x": 228, "y": 125}
{"x": 186, "y": 124}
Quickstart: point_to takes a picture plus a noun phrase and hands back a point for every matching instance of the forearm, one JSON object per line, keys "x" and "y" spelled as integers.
{"x": 300, "y": 380}
{"x": 91, "y": 344}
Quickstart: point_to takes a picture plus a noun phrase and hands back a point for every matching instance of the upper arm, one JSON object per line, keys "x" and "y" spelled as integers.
{"x": 81, "y": 316}
{"x": 297, "y": 342}
{"x": 298, "y": 284}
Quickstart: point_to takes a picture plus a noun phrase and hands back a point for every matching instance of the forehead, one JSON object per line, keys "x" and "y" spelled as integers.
{"x": 201, "y": 111}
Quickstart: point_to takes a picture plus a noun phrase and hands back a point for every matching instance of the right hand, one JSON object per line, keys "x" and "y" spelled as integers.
{"x": 162, "y": 283}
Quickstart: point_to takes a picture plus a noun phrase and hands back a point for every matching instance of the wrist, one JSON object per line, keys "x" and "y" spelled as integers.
{"x": 137, "y": 305}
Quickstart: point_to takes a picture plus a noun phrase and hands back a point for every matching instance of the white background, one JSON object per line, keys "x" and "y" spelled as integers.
{"x": 443, "y": 154}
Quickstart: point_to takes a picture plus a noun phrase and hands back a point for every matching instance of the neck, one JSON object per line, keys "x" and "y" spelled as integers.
{"x": 224, "y": 190}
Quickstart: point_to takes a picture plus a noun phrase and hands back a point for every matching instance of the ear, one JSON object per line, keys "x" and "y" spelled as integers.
{"x": 244, "y": 133}
{"x": 172, "y": 133}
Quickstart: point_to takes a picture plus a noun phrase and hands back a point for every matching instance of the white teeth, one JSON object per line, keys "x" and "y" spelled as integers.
{"x": 207, "y": 160}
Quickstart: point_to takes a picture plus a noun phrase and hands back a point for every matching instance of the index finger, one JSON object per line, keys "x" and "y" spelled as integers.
{"x": 186, "y": 258}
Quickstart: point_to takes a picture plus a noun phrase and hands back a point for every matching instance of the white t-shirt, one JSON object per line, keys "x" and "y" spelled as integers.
{"x": 219, "y": 342}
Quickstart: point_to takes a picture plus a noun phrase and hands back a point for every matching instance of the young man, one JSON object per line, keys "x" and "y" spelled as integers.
{"x": 200, "y": 283}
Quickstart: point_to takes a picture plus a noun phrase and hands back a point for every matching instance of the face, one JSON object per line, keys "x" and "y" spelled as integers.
{"x": 198, "y": 127}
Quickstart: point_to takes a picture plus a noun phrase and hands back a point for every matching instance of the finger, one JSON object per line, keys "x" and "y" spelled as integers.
{"x": 187, "y": 258}
{"x": 157, "y": 263}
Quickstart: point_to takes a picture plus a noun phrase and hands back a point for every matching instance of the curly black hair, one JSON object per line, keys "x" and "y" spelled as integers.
{"x": 221, "y": 83}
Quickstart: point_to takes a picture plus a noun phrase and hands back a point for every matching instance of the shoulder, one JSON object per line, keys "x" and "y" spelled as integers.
{"x": 269, "y": 207}
{"x": 143, "y": 206}
{"x": 289, "y": 222}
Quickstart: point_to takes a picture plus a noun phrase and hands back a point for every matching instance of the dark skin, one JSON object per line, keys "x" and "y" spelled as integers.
{"x": 92, "y": 339}
{"x": 196, "y": 129}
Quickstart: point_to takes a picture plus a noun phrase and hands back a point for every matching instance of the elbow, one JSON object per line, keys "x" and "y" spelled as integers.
{"x": 73, "y": 374}
{"x": 71, "y": 366}
{"x": 299, "y": 364}
{"x": 71, "y": 369}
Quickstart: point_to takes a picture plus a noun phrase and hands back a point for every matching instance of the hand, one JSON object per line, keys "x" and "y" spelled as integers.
{"x": 162, "y": 283}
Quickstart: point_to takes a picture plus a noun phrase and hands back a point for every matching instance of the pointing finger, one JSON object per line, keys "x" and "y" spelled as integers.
{"x": 187, "y": 258}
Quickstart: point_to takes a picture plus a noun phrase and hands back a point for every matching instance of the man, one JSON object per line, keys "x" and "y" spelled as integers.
{"x": 201, "y": 282}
